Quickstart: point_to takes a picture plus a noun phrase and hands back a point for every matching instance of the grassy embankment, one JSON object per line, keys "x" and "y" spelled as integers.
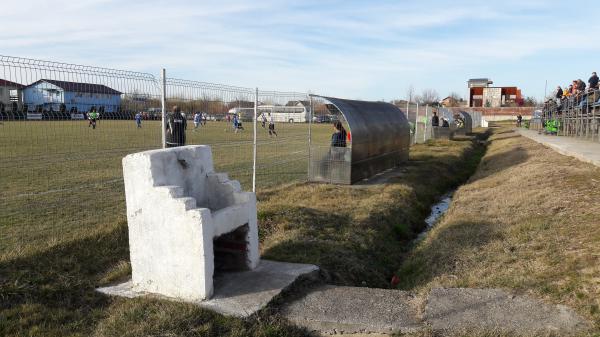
{"x": 359, "y": 235}
{"x": 528, "y": 221}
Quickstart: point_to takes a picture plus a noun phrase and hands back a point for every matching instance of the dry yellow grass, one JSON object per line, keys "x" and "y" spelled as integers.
{"x": 360, "y": 235}
{"x": 528, "y": 220}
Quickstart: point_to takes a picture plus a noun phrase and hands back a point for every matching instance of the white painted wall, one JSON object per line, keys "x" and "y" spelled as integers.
{"x": 176, "y": 206}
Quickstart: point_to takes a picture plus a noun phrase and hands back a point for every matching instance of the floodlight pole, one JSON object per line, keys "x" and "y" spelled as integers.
{"x": 254, "y": 141}
{"x": 163, "y": 102}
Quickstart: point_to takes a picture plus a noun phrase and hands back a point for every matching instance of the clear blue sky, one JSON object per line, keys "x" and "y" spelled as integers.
{"x": 355, "y": 49}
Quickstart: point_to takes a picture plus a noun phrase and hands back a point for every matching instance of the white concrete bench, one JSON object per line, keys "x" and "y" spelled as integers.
{"x": 185, "y": 221}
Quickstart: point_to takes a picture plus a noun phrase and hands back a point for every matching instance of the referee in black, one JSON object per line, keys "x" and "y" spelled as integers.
{"x": 176, "y": 126}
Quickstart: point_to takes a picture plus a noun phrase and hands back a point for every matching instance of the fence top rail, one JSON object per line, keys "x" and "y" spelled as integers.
{"x": 12, "y": 61}
{"x": 282, "y": 93}
{"x": 206, "y": 85}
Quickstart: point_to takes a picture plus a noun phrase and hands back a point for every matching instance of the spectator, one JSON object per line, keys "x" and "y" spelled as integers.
{"x": 435, "y": 120}
{"x": 559, "y": 92}
{"x": 580, "y": 86}
{"x": 568, "y": 91}
{"x": 574, "y": 87}
{"x": 176, "y": 125}
{"x": 338, "y": 138}
{"x": 593, "y": 81}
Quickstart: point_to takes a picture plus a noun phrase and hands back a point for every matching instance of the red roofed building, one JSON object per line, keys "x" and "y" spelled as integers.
{"x": 481, "y": 94}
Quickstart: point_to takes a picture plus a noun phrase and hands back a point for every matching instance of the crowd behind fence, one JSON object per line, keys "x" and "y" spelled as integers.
{"x": 65, "y": 128}
{"x": 576, "y": 116}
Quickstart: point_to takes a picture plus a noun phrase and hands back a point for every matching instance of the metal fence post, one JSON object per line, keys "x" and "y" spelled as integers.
{"x": 163, "y": 102}
{"x": 416, "y": 122}
{"x": 426, "y": 122}
{"x": 254, "y": 142}
{"x": 310, "y": 117}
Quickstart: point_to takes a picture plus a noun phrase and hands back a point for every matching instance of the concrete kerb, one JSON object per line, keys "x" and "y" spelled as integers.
{"x": 583, "y": 150}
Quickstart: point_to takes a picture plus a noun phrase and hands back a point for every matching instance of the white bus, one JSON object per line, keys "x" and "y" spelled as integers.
{"x": 280, "y": 114}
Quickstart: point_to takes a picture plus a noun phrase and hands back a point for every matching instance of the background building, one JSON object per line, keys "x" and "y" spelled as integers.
{"x": 51, "y": 95}
{"x": 10, "y": 95}
{"x": 482, "y": 94}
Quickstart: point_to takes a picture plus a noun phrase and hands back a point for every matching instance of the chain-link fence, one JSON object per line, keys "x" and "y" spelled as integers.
{"x": 220, "y": 116}
{"x": 450, "y": 121}
{"x": 420, "y": 119}
{"x": 64, "y": 129}
{"x": 283, "y": 121}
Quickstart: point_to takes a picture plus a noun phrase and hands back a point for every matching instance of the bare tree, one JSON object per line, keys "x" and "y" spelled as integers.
{"x": 410, "y": 93}
{"x": 456, "y": 96}
{"x": 428, "y": 96}
{"x": 530, "y": 101}
{"x": 455, "y": 99}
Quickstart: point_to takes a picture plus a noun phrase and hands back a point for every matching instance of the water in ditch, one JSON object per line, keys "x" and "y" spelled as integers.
{"x": 437, "y": 211}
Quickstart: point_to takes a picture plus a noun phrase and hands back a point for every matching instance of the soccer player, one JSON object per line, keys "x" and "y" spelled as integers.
{"x": 237, "y": 124}
{"x": 92, "y": 116}
{"x": 197, "y": 120}
{"x": 138, "y": 119}
{"x": 272, "y": 126}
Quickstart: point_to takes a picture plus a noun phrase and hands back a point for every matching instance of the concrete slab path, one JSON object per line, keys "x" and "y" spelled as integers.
{"x": 584, "y": 150}
{"x": 351, "y": 310}
{"x": 458, "y": 309}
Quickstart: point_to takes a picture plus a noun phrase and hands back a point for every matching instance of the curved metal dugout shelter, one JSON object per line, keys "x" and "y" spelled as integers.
{"x": 378, "y": 139}
{"x": 459, "y": 123}
{"x": 464, "y": 122}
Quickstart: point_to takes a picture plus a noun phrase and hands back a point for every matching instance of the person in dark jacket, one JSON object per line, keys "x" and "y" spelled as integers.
{"x": 559, "y": 92}
{"x": 338, "y": 138}
{"x": 435, "y": 120}
{"x": 176, "y": 125}
{"x": 593, "y": 81}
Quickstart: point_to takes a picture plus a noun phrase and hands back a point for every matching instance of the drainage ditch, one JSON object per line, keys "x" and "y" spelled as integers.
{"x": 437, "y": 212}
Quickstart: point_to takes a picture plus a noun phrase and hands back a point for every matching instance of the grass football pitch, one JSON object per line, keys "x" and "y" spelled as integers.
{"x": 62, "y": 179}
